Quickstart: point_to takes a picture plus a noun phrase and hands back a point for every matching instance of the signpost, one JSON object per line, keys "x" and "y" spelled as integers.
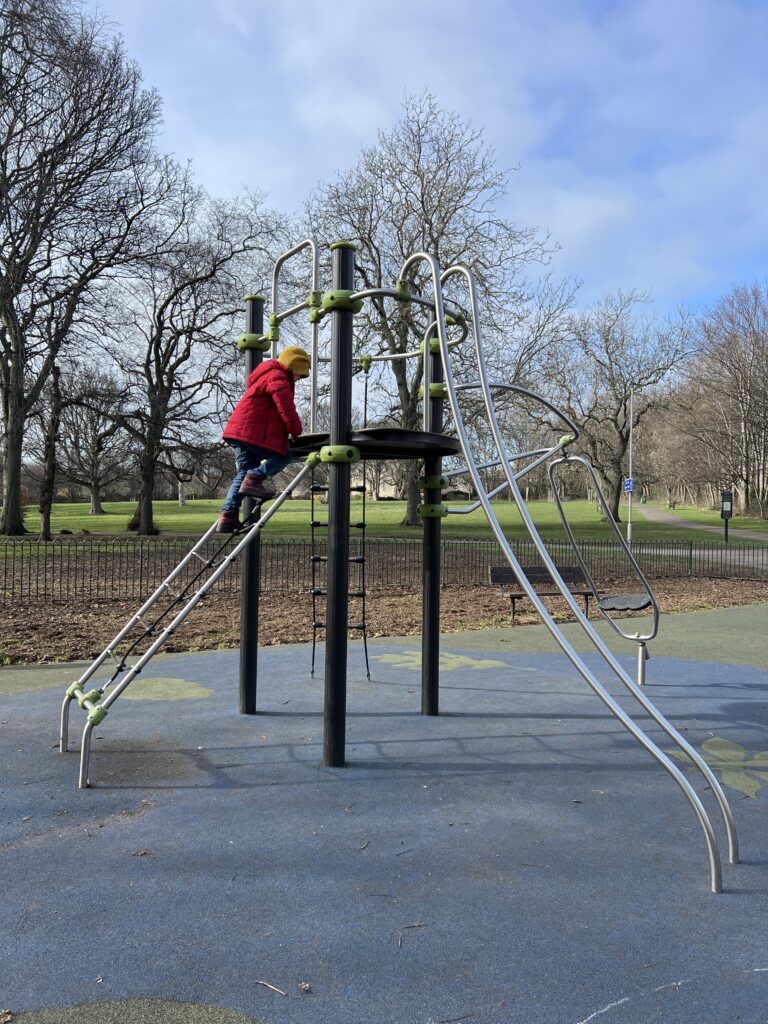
{"x": 629, "y": 490}
{"x": 726, "y": 509}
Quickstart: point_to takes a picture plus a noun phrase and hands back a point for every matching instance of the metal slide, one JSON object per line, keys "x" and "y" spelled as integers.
{"x": 505, "y": 460}
{"x": 96, "y": 702}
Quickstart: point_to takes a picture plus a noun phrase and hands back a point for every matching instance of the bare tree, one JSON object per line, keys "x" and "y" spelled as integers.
{"x": 430, "y": 184}
{"x": 613, "y": 352}
{"x": 79, "y": 187}
{"x": 94, "y": 449}
{"x": 729, "y": 415}
{"x": 178, "y": 316}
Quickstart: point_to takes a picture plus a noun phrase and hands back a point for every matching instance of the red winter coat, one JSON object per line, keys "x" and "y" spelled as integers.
{"x": 266, "y": 414}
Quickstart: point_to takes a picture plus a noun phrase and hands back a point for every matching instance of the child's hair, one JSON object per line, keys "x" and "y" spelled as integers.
{"x": 296, "y": 360}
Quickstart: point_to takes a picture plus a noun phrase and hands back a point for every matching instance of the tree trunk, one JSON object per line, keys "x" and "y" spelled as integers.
{"x": 48, "y": 486}
{"x": 142, "y": 520}
{"x": 12, "y": 522}
{"x": 411, "y": 517}
{"x": 95, "y": 491}
{"x": 146, "y": 494}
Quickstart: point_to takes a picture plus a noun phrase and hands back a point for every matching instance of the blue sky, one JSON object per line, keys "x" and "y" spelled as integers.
{"x": 637, "y": 130}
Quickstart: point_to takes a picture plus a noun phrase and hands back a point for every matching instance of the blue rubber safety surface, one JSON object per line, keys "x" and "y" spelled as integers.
{"x": 518, "y": 858}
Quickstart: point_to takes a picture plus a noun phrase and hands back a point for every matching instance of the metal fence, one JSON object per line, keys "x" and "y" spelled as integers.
{"x": 108, "y": 569}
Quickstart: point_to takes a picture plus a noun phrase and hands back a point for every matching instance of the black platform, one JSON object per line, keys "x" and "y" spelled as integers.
{"x": 384, "y": 443}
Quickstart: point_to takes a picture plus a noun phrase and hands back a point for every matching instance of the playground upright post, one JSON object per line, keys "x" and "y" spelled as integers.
{"x": 339, "y": 478}
{"x": 251, "y": 559}
{"x": 430, "y": 628}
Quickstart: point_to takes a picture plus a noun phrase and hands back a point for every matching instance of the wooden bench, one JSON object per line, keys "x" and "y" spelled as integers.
{"x": 502, "y": 576}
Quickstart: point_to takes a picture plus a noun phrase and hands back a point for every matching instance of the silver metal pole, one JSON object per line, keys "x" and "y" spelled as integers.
{"x": 631, "y": 477}
{"x": 174, "y": 625}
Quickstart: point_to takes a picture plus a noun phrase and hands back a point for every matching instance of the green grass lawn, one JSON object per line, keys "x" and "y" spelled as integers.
{"x": 384, "y": 520}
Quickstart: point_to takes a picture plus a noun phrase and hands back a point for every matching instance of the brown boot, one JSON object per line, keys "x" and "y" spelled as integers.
{"x": 228, "y": 522}
{"x": 255, "y": 485}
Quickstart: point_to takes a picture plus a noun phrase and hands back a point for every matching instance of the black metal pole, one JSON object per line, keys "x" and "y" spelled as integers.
{"x": 337, "y": 600}
{"x": 250, "y": 567}
{"x": 725, "y": 522}
{"x": 430, "y": 608}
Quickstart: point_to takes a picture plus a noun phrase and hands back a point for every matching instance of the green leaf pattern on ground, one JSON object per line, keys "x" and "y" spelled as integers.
{"x": 165, "y": 689}
{"x": 448, "y": 662}
{"x": 737, "y": 769}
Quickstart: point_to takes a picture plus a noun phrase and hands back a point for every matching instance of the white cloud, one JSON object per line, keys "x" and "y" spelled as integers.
{"x": 640, "y": 127}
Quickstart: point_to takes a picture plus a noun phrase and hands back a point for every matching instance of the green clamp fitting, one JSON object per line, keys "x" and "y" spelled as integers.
{"x": 433, "y": 511}
{"x": 339, "y": 453}
{"x": 313, "y": 459}
{"x": 254, "y": 341}
{"x": 434, "y": 346}
{"x": 92, "y": 696}
{"x": 272, "y": 320}
{"x": 71, "y": 690}
{"x": 316, "y": 315}
{"x": 97, "y": 715}
{"x": 402, "y": 290}
{"x": 567, "y": 439}
{"x": 273, "y": 334}
{"x": 438, "y": 390}
{"x": 433, "y": 482}
{"x": 455, "y": 320}
{"x": 341, "y": 299}
{"x": 366, "y": 362}
{"x": 315, "y": 300}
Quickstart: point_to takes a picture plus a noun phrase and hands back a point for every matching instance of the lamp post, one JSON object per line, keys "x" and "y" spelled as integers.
{"x": 630, "y": 483}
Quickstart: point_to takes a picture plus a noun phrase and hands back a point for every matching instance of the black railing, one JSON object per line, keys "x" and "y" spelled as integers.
{"x": 108, "y": 569}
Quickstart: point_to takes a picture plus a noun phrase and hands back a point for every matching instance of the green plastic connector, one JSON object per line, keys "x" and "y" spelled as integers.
{"x": 313, "y": 459}
{"x": 567, "y": 439}
{"x": 92, "y": 696}
{"x": 366, "y": 362}
{"x": 255, "y": 298}
{"x": 339, "y": 453}
{"x": 272, "y": 320}
{"x": 273, "y": 334}
{"x": 455, "y": 320}
{"x": 438, "y": 390}
{"x": 342, "y": 245}
{"x": 315, "y": 300}
{"x": 316, "y": 315}
{"x": 253, "y": 341}
{"x": 434, "y": 346}
{"x": 97, "y": 715}
{"x": 71, "y": 690}
{"x": 341, "y": 299}
{"x": 402, "y": 290}
{"x": 433, "y": 511}
{"x": 431, "y": 482}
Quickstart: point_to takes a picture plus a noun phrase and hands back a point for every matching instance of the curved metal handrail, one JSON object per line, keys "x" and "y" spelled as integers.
{"x": 626, "y": 721}
{"x": 520, "y": 390}
{"x": 638, "y": 637}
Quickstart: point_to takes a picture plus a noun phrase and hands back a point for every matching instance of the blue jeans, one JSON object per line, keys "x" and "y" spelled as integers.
{"x": 248, "y": 458}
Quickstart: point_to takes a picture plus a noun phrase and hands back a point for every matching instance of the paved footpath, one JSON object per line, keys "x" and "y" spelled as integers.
{"x": 518, "y": 859}
{"x": 654, "y": 514}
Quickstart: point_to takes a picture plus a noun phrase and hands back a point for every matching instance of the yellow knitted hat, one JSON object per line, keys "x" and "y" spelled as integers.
{"x": 296, "y": 360}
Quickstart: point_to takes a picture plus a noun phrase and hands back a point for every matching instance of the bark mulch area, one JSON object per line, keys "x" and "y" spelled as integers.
{"x": 68, "y": 632}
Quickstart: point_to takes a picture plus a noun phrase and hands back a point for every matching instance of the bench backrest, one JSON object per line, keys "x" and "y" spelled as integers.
{"x": 503, "y": 576}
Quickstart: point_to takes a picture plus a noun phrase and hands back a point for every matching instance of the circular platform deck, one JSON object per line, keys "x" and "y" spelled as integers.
{"x": 384, "y": 443}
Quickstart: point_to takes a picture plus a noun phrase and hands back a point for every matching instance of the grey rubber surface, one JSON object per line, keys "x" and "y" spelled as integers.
{"x": 518, "y": 858}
